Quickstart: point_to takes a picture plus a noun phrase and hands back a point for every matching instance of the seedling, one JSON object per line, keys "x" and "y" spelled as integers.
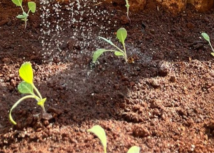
{"x": 207, "y": 38}
{"x": 100, "y": 133}
{"x": 24, "y": 15}
{"x": 127, "y": 7}
{"x": 27, "y": 87}
{"x": 121, "y": 36}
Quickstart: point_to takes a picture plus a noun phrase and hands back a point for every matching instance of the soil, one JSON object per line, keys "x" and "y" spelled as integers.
{"x": 161, "y": 100}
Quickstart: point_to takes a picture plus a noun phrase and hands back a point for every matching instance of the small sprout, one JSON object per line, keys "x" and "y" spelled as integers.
{"x": 207, "y": 38}
{"x": 27, "y": 87}
{"x": 100, "y": 133}
{"x": 127, "y": 7}
{"x": 24, "y": 15}
{"x": 121, "y": 36}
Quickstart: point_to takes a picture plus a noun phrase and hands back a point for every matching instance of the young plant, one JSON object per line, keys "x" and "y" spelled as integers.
{"x": 24, "y": 15}
{"x": 27, "y": 87}
{"x": 207, "y": 38}
{"x": 127, "y": 7}
{"x": 121, "y": 36}
{"x": 100, "y": 133}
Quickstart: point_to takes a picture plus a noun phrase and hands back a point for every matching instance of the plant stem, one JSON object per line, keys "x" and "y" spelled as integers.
{"x": 125, "y": 55}
{"x": 211, "y": 46}
{"x": 15, "y": 105}
{"x": 37, "y": 91}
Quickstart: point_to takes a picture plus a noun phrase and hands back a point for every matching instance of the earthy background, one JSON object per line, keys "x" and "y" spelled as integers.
{"x": 161, "y": 100}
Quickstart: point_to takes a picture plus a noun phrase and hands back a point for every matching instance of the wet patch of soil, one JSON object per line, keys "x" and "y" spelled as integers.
{"x": 161, "y": 101}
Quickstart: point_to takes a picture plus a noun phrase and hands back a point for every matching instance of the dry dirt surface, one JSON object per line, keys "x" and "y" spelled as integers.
{"x": 161, "y": 100}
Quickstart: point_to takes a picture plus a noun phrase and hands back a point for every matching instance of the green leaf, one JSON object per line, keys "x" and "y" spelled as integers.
{"x": 97, "y": 54}
{"x": 134, "y": 149}
{"x": 17, "y": 2}
{"x": 121, "y": 35}
{"x": 117, "y": 53}
{"x": 212, "y": 54}
{"x": 21, "y": 16}
{"x": 41, "y": 102}
{"x": 26, "y": 72}
{"x": 25, "y": 88}
{"x": 100, "y": 133}
{"x": 108, "y": 41}
{"x": 32, "y": 6}
{"x": 205, "y": 36}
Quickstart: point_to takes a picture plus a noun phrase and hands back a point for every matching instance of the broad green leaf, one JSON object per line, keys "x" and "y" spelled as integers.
{"x": 100, "y": 133}
{"x": 205, "y": 36}
{"x": 26, "y": 72}
{"x": 32, "y": 6}
{"x": 134, "y": 149}
{"x": 41, "y": 102}
{"x": 121, "y": 35}
{"x": 17, "y": 2}
{"x": 21, "y": 16}
{"x": 117, "y": 53}
{"x": 108, "y": 41}
{"x": 97, "y": 54}
{"x": 25, "y": 88}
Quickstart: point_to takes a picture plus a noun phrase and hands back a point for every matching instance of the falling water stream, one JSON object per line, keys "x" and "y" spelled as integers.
{"x": 69, "y": 29}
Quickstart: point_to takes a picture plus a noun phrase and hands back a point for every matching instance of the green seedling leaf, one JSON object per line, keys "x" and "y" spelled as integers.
{"x": 100, "y": 133}
{"x": 97, "y": 54}
{"x": 21, "y": 16}
{"x": 134, "y": 149}
{"x": 121, "y": 35}
{"x": 41, "y": 102}
{"x": 26, "y": 72}
{"x": 32, "y": 6}
{"x": 117, "y": 53}
{"x": 108, "y": 41}
{"x": 205, "y": 36}
{"x": 25, "y": 88}
{"x": 17, "y": 2}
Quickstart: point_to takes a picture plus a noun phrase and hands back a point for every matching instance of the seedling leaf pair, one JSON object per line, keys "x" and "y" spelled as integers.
{"x": 27, "y": 87}
{"x": 100, "y": 133}
{"x": 207, "y": 38}
{"x": 24, "y": 15}
{"x": 121, "y": 36}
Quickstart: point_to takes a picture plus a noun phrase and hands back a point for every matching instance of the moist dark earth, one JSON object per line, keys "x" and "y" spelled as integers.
{"x": 161, "y": 100}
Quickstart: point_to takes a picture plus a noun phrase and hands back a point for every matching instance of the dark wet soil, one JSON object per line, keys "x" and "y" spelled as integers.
{"x": 161, "y": 100}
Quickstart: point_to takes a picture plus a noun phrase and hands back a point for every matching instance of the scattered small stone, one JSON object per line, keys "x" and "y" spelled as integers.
{"x": 154, "y": 83}
{"x": 211, "y": 73}
{"x": 139, "y": 131}
{"x": 172, "y": 79}
{"x": 163, "y": 68}
{"x": 6, "y": 60}
{"x": 155, "y": 104}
